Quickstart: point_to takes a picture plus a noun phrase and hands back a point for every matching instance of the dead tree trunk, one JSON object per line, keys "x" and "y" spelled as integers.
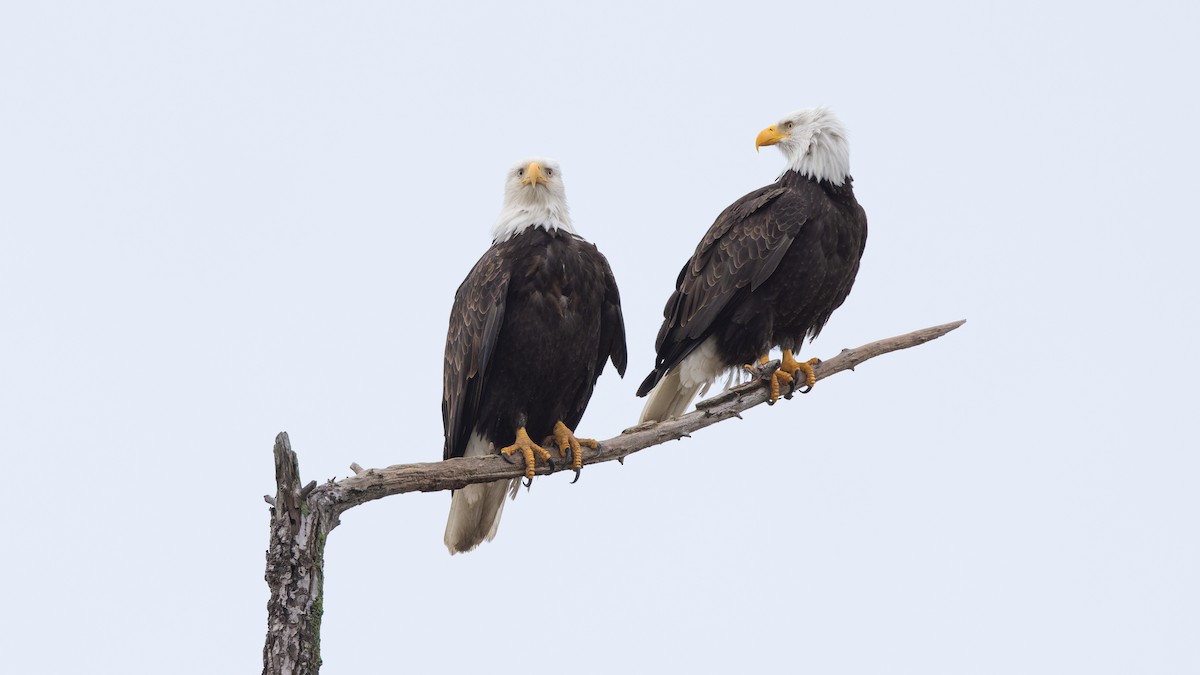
{"x": 295, "y": 570}
{"x": 302, "y": 517}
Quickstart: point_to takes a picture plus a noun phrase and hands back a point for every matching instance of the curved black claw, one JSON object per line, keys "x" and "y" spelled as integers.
{"x": 505, "y": 458}
{"x": 812, "y": 363}
{"x": 528, "y": 483}
{"x": 578, "y": 472}
{"x": 550, "y": 463}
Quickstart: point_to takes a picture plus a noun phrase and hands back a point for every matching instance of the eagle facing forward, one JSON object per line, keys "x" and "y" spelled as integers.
{"x": 531, "y": 329}
{"x": 769, "y": 272}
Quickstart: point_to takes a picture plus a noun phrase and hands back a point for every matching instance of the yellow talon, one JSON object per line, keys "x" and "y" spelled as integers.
{"x": 761, "y": 360}
{"x": 786, "y": 374}
{"x": 529, "y": 450}
{"x": 568, "y": 441}
{"x": 752, "y": 368}
{"x": 776, "y": 377}
{"x": 790, "y": 365}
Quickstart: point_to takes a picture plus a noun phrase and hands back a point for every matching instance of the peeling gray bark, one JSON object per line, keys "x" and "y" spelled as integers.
{"x": 295, "y": 570}
{"x": 302, "y": 517}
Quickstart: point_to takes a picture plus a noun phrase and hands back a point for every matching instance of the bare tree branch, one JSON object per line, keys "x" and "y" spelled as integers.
{"x": 370, "y": 484}
{"x": 301, "y": 518}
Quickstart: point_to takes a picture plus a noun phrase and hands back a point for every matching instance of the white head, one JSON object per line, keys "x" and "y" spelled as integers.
{"x": 534, "y": 196}
{"x": 814, "y": 143}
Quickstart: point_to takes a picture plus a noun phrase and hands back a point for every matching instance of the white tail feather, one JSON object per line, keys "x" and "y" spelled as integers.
{"x": 475, "y": 509}
{"x": 676, "y": 390}
{"x": 474, "y": 515}
{"x": 669, "y": 398}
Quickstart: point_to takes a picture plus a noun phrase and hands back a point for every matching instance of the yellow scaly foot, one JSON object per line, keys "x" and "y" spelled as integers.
{"x": 778, "y": 378}
{"x": 753, "y": 369}
{"x": 567, "y": 441}
{"x": 786, "y": 374}
{"x": 791, "y": 366}
{"x": 529, "y": 450}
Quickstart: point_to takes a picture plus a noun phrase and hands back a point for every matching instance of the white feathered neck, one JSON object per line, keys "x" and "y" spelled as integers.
{"x": 526, "y": 206}
{"x": 817, "y": 145}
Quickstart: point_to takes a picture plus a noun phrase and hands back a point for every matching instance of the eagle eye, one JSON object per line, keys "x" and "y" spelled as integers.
{"x": 549, "y": 172}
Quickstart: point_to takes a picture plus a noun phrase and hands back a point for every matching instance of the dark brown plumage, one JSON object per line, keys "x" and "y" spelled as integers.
{"x": 769, "y": 272}
{"x": 531, "y": 329}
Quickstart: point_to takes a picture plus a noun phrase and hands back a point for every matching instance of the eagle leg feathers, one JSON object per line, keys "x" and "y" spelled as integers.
{"x": 568, "y": 441}
{"x": 530, "y": 451}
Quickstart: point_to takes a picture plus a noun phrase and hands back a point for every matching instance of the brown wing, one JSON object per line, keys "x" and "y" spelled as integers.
{"x": 612, "y": 325}
{"x": 738, "y": 253}
{"x": 475, "y": 321}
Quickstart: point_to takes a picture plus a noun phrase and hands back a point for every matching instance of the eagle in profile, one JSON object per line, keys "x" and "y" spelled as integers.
{"x": 769, "y": 272}
{"x": 531, "y": 329}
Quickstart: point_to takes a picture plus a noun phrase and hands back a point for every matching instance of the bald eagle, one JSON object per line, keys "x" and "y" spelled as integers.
{"x": 531, "y": 329}
{"x": 769, "y": 272}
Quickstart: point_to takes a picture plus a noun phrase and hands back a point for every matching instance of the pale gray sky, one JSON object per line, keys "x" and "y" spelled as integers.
{"x": 222, "y": 220}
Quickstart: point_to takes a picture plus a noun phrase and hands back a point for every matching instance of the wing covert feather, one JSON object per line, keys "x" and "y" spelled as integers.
{"x": 475, "y": 321}
{"x": 739, "y": 252}
{"x": 612, "y": 326}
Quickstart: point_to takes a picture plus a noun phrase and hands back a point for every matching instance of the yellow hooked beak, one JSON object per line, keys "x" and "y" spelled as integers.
{"x": 769, "y": 136}
{"x": 534, "y": 175}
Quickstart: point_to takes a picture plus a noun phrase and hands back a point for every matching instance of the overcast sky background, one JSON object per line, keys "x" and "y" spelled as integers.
{"x": 223, "y": 220}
